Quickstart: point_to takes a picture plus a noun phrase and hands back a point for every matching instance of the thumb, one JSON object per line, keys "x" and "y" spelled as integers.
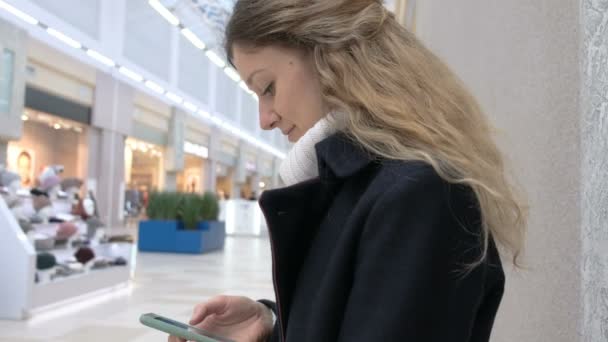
{"x": 215, "y": 305}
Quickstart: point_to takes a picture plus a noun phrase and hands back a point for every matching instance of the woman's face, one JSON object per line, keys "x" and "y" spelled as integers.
{"x": 287, "y": 85}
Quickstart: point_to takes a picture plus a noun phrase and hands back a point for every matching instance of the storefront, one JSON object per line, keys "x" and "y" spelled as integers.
{"x": 191, "y": 179}
{"x": 265, "y": 172}
{"x": 146, "y": 147}
{"x": 248, "y": 189}
{"x": 56, "y": 119}
{"x": 143, "y": 165}
{"x": 226, "y": 162}
{"x": 48, "y": 140}
{"x": 224, "y": 181}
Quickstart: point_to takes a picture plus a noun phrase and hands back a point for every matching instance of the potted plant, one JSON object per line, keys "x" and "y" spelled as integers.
{"x": 182, "y": 223}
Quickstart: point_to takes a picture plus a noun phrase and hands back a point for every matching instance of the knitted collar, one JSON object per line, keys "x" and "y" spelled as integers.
{"x": 301, "y": 163}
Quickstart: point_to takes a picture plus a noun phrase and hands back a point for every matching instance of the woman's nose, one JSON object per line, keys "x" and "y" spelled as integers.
{"x": 268, "y": 118}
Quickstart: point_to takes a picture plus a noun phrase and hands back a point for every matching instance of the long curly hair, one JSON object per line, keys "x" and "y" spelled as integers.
{"x": 402, "y": 102}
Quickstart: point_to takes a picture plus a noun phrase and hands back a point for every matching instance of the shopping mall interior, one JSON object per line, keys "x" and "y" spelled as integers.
{"x": 119, "y": 117}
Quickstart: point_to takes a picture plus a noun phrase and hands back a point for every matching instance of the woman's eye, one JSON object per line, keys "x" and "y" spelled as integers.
{"x": 269, "y": 90}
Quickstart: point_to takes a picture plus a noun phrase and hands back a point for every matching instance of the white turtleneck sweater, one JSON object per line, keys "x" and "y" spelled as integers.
{"x": 301, "y": 162}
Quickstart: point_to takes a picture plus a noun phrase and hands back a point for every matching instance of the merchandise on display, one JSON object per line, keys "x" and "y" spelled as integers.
{"x": 93, "y": 224}
{"x": 42, "y": 242}
{"x": 38, "y": 192}
{"x": 10, "y": 179}
{"x": 45, "y": 261}
{"x": 65, "y": 252}
{"x": 40, "y": 202}
{"x": 63, "y": 228}
{"x": 66, "y": 230}
{"x": 53, "y": 170}
{"x": 25, "y": 225}
{"x": 50, "y": 183}
{"x": 71, "y": 184}
{"x": 84, "y": 255}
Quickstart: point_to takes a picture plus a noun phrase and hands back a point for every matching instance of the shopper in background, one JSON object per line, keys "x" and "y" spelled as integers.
{"x": 396, "y": 197}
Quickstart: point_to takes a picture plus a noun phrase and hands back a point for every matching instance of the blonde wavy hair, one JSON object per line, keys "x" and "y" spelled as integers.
{"x": 402, "y": 101}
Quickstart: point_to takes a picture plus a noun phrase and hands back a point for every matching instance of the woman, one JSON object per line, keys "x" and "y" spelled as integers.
{"x": 396, "y": 197}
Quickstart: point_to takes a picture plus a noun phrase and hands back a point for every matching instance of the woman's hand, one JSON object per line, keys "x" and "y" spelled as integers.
{"x": 237, "y": 318}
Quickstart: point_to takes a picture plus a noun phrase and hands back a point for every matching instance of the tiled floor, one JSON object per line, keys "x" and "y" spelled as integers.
{"x": 166, "y": 284}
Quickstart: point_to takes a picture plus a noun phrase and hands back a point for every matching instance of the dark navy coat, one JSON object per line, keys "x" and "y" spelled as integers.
{"x": 376, "y": 250}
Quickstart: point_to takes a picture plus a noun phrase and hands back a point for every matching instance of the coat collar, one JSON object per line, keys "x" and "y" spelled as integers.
{"x": 341, "y": 157}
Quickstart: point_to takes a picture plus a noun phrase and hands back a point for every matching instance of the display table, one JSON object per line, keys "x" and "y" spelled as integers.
{"x": 243, "y": 217}
{"x": 21, "y": 296}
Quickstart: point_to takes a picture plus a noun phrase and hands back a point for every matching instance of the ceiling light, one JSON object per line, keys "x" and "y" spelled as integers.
{"x": 190, "y": 106}
{"x": 193, "y": 38}
{"x": 174, "y": 97}
{"x": 100, "y": 58}
{"x": 155, "y": 87}
{"x": 131, "y": 74}
{"x": 27, "y": 18}
{"x": 197, "y": 150}
{"x": 204, "y": 114}
{"x": 62, "y": 37}
{"x": 57, "y": 126}
{"x": 245, "y": 87}
{"x": 232, "y": 74}
{"x": 216, "y": 120}
{"x": 162, "y": 10}
{"x": 217, "y": 60}
{"x": 262, "y": 185}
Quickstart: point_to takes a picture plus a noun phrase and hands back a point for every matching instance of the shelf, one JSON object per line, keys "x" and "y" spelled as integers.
{"x": 66, "y": 288}
{"x": 106, "y": 250}
{"x": 21, "y": 296}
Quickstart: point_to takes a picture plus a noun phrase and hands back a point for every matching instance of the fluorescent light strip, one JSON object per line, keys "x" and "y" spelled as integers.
{"x": 245, "y": 87}
{"x": 65, "y": 39}
{"x": 131, "y": 74}
{"x": 155, "y": 87}
{"x": 190, "y": 106}
{"x": 217, "y": 60}
{"x": 193, "y": 38}
{"x": 204, "y": 114}
{"x": 216, "y": 120}
{"x": 17, "y": 13}
{"x": 100, "y": 58}
{"x": 232, "y": 74}
{"x": 174, "y": 97}
{"x": 164, "y": 12}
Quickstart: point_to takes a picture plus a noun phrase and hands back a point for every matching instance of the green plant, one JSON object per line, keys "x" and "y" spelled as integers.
{"x": 187, "y": 208}
{"x": 210, "y": 207}
{"x": 164, "y": 205}
{"x": 190, "y": 210}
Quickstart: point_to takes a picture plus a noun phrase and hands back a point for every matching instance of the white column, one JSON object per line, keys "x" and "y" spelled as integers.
{"x": 174, "y": 153}
{"x": 211, "y": 163}
{"x": 3, "y": 152}
{"x": 14, "y": 41}
{"x": 112, "y": 123}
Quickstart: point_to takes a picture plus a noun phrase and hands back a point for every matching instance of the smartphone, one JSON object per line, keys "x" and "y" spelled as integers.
{"x": 185, "y": 331}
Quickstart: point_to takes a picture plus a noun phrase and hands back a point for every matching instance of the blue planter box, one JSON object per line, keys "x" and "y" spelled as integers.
{"x": 171, "y": 237}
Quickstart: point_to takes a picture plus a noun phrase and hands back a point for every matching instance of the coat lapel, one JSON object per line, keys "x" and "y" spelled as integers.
{"x": 294, "y": 213}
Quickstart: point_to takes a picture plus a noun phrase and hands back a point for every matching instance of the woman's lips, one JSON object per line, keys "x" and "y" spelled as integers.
{"x": 290, "y": 132}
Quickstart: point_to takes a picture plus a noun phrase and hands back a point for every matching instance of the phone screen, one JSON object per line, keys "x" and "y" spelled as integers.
{"x": 190, "y": 328}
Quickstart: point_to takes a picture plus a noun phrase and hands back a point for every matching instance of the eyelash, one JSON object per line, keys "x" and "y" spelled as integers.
{"x": 269, "y": 89}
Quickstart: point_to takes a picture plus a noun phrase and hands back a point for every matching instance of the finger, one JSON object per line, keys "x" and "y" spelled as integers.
{"x": 175, "y": 339}
{"x": 216, "y": 305}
